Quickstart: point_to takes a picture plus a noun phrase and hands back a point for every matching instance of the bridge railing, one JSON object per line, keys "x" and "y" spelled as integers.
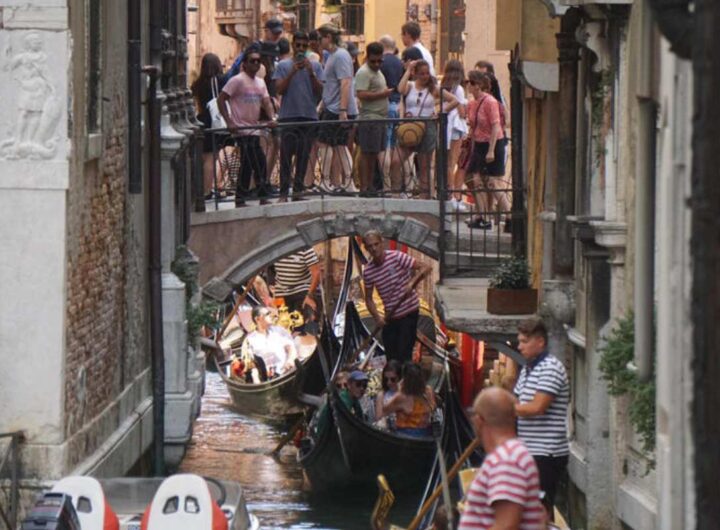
{"x": 406, "y": 158}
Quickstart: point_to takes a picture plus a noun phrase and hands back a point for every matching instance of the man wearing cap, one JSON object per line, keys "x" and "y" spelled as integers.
{"x": 272, "y": 31}
{"x": 338, "y": 101}
{"x": 351, "y": 396}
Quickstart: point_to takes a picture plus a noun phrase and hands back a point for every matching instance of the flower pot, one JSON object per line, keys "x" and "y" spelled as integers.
{"x": 511, "y": 301}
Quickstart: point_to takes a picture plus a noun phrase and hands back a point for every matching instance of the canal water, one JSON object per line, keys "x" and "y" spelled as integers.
{"x": 227, "y": 445}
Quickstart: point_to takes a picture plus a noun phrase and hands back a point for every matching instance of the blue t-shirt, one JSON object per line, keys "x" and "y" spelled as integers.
{"x": 392, "y": 69}
{"x": 299, "y": 98}
{"x": 339, "y": 66}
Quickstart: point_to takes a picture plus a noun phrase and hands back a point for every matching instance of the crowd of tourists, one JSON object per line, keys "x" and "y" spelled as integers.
{"x": 295, "y": 105}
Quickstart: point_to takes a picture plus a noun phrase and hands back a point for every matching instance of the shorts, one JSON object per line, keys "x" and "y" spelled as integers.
{"x": 429, "y": 140}
{"x": 372, "y": 137}
{"x": 456, "y": 135}
{"x": 393, "y": 112}
{"x": 477, "y": 163}
{"x": 334, "y": 134}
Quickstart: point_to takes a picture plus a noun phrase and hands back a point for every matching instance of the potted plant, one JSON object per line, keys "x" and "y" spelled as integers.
{"x": 510, "y": 292}
{"x": 332, "y": 6}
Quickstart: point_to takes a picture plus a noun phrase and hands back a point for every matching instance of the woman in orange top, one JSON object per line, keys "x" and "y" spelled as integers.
{"x": 413, "y": 404}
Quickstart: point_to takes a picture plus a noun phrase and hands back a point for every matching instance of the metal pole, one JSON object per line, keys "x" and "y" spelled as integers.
{"x": 441, "y": 171}
{"x": 518, "y": 199}
{"x": 155, "y": 269}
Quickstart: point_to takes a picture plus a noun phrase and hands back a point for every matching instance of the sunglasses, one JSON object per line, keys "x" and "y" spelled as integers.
{"x": 361, "y": 384}
{"x": 254, "y": 61}
{"x": 391, "y": 379}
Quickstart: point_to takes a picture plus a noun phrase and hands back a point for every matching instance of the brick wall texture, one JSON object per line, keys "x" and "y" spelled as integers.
{"x": 106, "y": 316}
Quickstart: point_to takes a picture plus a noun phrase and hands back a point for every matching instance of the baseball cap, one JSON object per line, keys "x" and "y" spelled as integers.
{"x": 329, "y": 28}
{"x": 358, "y": 375}
{"x": 275, "y": 25}
{"x": 352, "y": 49}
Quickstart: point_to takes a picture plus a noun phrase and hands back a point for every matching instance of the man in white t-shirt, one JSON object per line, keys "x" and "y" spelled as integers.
{"x": 272, "y": 344}
{"x": 505, "y": 493}
{"x": 411, "y": 38}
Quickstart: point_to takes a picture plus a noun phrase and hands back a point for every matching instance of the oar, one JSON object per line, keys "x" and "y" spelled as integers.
{"x": 288, "y": 436}
{"x": 241, "y": 298}
{"x": 438, "y": 491}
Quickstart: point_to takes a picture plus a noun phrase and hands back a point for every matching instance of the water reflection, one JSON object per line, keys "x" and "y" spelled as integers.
{"x": 229, "y": 446}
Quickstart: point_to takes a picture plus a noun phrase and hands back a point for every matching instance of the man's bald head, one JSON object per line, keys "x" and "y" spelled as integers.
{"x": 496, "y": 407}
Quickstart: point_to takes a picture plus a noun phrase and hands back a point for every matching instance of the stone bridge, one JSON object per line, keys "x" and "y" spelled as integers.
{"x": 235, "y": 243}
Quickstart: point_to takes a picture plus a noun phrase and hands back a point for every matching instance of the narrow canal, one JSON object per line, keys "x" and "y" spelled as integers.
{"x": 226, "y": 445}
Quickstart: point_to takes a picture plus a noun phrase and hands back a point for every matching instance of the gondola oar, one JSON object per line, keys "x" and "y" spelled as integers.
{"x": 287, "y": 437}
{"x": 240, "y": 300}
{"x": 438, "y": 491}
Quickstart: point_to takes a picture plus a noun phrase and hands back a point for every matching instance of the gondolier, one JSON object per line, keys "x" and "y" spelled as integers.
{"x": 395, "y": 275}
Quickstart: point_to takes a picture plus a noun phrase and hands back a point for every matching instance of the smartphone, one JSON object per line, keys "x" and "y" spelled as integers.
{"x": 300, "y": 58}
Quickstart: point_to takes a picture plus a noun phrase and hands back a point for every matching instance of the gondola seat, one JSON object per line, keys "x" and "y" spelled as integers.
{"x": 88, "y": 499}
{"x": 183, "y": 501}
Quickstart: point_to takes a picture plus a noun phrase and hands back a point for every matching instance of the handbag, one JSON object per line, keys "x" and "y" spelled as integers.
{"x": 216, "y": 119}
{"x": 411, "y": 133}
{"x": 467, "y": 147}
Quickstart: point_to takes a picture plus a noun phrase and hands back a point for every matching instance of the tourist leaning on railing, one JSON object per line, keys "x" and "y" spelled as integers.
{"x": 298, "y": 80}
{"x": 421, "y": 95}
{"x": 247, "y": 94}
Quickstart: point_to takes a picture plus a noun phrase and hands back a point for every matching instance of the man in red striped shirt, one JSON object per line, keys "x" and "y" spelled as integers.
{"x": 395, "y": 275}
{"x": 505, "y": 493}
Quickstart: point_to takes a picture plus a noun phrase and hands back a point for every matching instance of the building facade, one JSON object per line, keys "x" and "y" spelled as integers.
{"x": 75, "y": 316}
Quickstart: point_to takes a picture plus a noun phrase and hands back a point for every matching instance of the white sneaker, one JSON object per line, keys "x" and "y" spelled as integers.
{"x": 452, "y": 204}
{"x": 462, "y": 207}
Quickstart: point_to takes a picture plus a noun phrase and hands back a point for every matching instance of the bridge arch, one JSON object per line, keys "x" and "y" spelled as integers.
{"x": 234, "y": 247}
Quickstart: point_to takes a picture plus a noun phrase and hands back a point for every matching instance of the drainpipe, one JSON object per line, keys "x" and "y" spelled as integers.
{"x": 134, "y": 97}
{"x": 645, "y": 203}
{"x": 434, "y": 32}
{"x": 157, "y": 350}
{"x": 675, "y": 21}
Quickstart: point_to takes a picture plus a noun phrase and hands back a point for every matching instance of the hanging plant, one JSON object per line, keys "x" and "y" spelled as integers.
{"x": 287, "y": 4}
{"x": 616, "y": 356}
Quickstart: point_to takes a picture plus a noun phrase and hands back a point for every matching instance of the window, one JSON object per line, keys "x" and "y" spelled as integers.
{"x": 353, "y": 17}
{"x": 93, "y": 15}
{"x": 306, "y": 15}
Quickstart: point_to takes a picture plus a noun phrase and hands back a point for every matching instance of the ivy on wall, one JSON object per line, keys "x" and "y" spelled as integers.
{"x": 615, "y": 364}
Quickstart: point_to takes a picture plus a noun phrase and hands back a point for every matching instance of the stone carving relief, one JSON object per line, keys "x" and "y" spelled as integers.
{"x": 33, "y": 135}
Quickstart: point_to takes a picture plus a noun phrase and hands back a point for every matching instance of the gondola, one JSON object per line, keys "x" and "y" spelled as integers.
{"x": 276, "y": 399}
{"x": 347, "y": 452}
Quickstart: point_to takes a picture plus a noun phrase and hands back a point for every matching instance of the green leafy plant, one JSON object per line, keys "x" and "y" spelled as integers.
{"x": 288, "y": 3}
{"x": 513, "y": 273}
{"x": 616, "y": 355}
{"x": 204, "y": 314}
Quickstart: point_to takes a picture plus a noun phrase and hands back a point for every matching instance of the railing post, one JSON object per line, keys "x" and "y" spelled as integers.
{"x": 198, "y": 178}
{"x": 441, "y": 172}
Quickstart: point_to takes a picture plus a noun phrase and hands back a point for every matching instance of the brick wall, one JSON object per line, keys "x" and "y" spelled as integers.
{"x": 96, "y": 279}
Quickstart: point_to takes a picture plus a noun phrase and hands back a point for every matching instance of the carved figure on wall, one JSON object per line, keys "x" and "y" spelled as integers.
{"x": 39, "y": 108}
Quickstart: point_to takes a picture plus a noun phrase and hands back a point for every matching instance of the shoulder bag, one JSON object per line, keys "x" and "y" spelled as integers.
{"x": 216, "y": 119}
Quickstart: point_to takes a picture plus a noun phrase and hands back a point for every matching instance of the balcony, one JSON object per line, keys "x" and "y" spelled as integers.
{"x": 236, "y": 18}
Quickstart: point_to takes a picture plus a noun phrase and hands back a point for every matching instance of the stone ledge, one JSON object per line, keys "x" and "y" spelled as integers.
{"x": 462, "y": 306}
{"x": 636, "y": 507}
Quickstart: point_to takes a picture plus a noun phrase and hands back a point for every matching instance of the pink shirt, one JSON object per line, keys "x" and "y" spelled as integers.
{"x": 509, "y": 474}
{"x": 246, "y": 95}
{"x": 482, "y": 115}
{"x": 391, "y": 279}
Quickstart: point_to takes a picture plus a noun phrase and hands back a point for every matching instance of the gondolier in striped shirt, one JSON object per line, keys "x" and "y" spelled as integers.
{"x": 543, "y": 393}
{"x": 395, "y": 275}
{"x": 297, "y": 280}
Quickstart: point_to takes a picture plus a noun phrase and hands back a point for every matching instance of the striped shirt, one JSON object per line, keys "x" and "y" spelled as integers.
{"x": 545, "y": 435}
{"x": 292, "y": 273}
{"x": 390, "y": 279}
{"x": 509, "y": 474}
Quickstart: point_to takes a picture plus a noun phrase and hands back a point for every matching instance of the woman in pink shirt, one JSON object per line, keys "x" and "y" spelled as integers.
{"x": 487, "y": 162}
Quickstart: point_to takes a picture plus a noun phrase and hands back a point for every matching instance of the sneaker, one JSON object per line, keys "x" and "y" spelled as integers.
{"x": 462, "y": 207}
{"x": 452, "y": 205}
{"x": 480, "y": 224}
